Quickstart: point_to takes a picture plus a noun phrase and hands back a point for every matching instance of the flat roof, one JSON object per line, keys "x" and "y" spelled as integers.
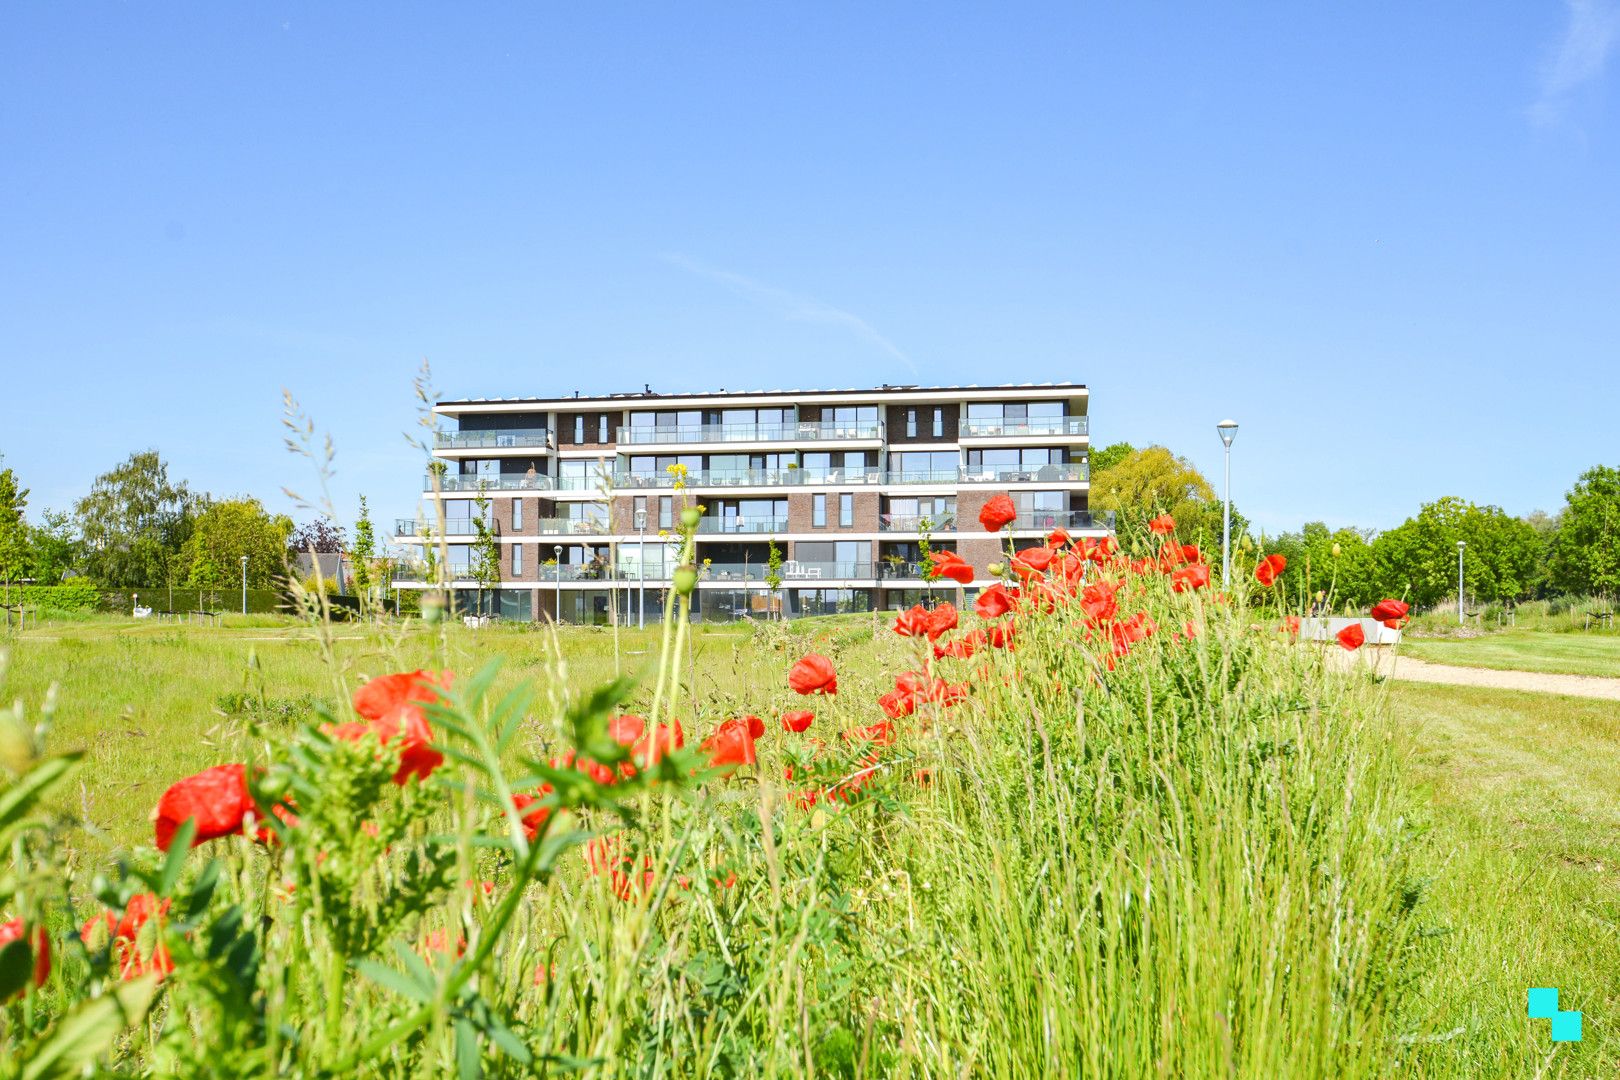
{"x": 650, "y": 396}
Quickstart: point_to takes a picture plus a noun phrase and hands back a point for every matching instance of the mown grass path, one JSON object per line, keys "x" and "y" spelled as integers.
{"x": 1596, "y": 653}
{"x": 1520, "y": 796}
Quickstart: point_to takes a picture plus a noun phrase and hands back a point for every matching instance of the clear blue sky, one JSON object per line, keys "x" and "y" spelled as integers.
{"x": 1385, "y": 238}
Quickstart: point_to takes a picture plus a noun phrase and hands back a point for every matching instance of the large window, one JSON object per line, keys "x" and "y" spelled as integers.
{"x": 1012, "y": 464}
{"x": 938, "y": 511}
{"x": 830, "y": 601}
{"x": 832, "y": 558}
{"x": 925, "y": 464}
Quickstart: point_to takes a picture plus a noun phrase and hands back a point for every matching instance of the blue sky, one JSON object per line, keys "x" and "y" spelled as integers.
{"x": 1386, "y": 240}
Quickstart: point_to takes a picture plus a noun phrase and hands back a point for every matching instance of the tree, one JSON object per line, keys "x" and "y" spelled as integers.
{"x": 365, "y": 552}
{"x": 1341, "y": 565}
{"x": 14, "y": 547}
{"x": 1110, "y": 455}
{"x": 1139, "y": 485}
{"x": 53, "y": 547}
{"x": 1419, "y": 556}
{"x": 1584, "y": 555}
{"x": 227, "y": 530}
{"x": 133, "y": 522}
{"x": 486, "y": 550}
{"x": 321, "y": 536}
{"x": 773, "y": 574}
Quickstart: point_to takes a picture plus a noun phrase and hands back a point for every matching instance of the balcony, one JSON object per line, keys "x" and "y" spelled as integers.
{"x": 911, "y": 523}
{"x": 794, "y": 573}
{"x": 1035, "y": 474}
{"x": 417, "y": 573}
{"x": 496, "y": 482}
{"x": 723, "y": 478}
{"x": 517, "y": 438}
{"x": 924, "y": 476}
{"x": 1045, "y": 521}
{"x": 453, "y": 526}
{"x": 573, "y": 527}
{"x": 742, "y": 525}
{"x": 984, "y": 427}
{"x": 806, "y": 431}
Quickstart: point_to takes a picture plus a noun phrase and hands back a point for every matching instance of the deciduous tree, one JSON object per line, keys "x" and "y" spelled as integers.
{"x": 1584, "y": 554}
{"x": 134, "y": 521}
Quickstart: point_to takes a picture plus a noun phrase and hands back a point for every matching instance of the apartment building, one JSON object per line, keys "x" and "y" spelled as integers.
{"x": 852, "y": 487}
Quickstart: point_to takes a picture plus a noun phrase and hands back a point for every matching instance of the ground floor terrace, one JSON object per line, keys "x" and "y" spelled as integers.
{"x": 578, "y": 604}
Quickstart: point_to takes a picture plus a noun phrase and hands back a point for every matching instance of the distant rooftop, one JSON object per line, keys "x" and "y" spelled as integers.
{"x": 649, "y": 395}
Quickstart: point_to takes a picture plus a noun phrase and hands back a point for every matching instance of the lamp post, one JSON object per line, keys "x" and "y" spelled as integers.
{"x": 641, "y": 569}
{"x": 1227, "y": 429}
{"x": 244, "y": 584}
{"x": 1460, "y": 545}
{"x": 556, "y": 550}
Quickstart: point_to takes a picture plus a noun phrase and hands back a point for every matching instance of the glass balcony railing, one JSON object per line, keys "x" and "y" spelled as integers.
{"x": 742, "y": 525}
{"x": 923, "y": 476}
{"x": 1047, "y": 520}
{"x": 573, "y": 526}
{"x": 916, "y": 523}
{"x": 983, "y": 427}
{"x": 453, "y": 526}
{"x": 1034, "y": 474}
{"x": 808, "y": 430}
{"x": 517, "y": 438}
{"x": 793, "y": 572}
{"x": 722, "y": 478}
{"x": 418, "y": 573}
{"x": 496, "y": 482}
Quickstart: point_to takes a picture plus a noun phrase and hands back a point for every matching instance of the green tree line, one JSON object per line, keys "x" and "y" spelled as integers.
{"x": 1575, "y": 552}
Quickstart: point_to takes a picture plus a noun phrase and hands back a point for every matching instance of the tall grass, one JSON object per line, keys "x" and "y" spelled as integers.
{"x": 1184, "y": 858}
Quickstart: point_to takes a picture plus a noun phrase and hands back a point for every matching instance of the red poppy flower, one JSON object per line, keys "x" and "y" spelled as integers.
{"x": 798, "y": 721}
{"x": 949, "y": 564}
{"x": 1352, "y": 637}
{"x": 813, "y": 674}
{"x": 960, "y": 649}
{"x": 1058, "y": 537}
{"x": 39, "y": 945}
{"x": 626, "y": 728}
{"x": 1290, "y": 625}
{"x": 941, "y": 620}
{"x": 913, "y": 622}
{"x": 1031, "y": 561}
{"x": 898, "y": 703}
{"x": 732, "y": 744}
{"x": 655, "y": 745}
{"x": 997, "y": 512}
{"x": 393, "y": 704}
{"x": 756, "y": 726}
{"x": 439, "y": 941}
{"x": 1191, "y": 577}
{"x": 1390, "y": 612}
{"x": 1164, "y": 523}
{"x": 124, "y": 932}
{"x": 1270, "y": 568}
{"x": 879, "y": 734}
{"x": 999, "y": 635}
{"x": 993, "y": 602}
{"x": 1098, "y": 602}
{"x": 216, "y": 798}
{"x": 536, "y": 813}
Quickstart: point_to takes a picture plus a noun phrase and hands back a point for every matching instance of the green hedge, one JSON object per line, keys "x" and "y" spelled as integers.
{"x": 79, "y": 594}
{"x": 161, "y": 598}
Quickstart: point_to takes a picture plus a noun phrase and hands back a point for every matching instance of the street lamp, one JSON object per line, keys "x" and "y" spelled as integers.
{"x": 1460, "y": 545}
{"x": 641, "y": 569}
{"x": 556, "y": 550}
{"x": 244, "y": 584}
{"x": 1227, "y": 429}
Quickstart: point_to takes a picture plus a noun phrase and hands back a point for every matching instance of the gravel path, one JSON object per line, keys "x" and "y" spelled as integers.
{"x": 1411, "y": 670}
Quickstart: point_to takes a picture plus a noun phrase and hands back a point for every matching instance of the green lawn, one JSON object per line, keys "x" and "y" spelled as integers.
{"x": 1595, "y": 653}
{"x": 1520, "y": 815}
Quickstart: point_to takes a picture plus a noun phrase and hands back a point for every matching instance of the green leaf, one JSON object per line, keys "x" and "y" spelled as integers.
{"x": 179, "y": 848}
{"x": 416, "y": 966}
{"x": 88, "y": 1032}
{"x": 468, "y": 1066}
{"x": 397, "y": 981}
{"x": 18, "y": 799}
{"x": 16, "y": 965}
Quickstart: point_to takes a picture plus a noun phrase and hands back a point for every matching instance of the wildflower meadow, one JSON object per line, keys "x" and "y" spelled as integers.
{"x": 1108, "y": 820}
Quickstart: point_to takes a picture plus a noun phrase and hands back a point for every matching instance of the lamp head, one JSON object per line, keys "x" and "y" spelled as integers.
{"x": 1461, "y": 544}
{"x": 1227, "y": 429}
{"x": 641, "y": 519}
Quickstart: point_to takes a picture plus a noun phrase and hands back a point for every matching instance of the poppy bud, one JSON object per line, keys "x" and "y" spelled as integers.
{"x": 691, "y": 516}
{"x": 996, "y": 569}
{"x": 685, "y": 579}
{"x": 1337, "y": 550}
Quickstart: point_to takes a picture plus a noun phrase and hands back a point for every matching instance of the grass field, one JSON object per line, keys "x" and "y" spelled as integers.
{"x": 1596, "y": 653}
{"x": 1516, "y": 793}
{"x": 1512, "y": 796}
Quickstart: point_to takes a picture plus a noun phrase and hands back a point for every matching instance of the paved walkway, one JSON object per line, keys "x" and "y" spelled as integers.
{"x": 1409, "y": 669}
